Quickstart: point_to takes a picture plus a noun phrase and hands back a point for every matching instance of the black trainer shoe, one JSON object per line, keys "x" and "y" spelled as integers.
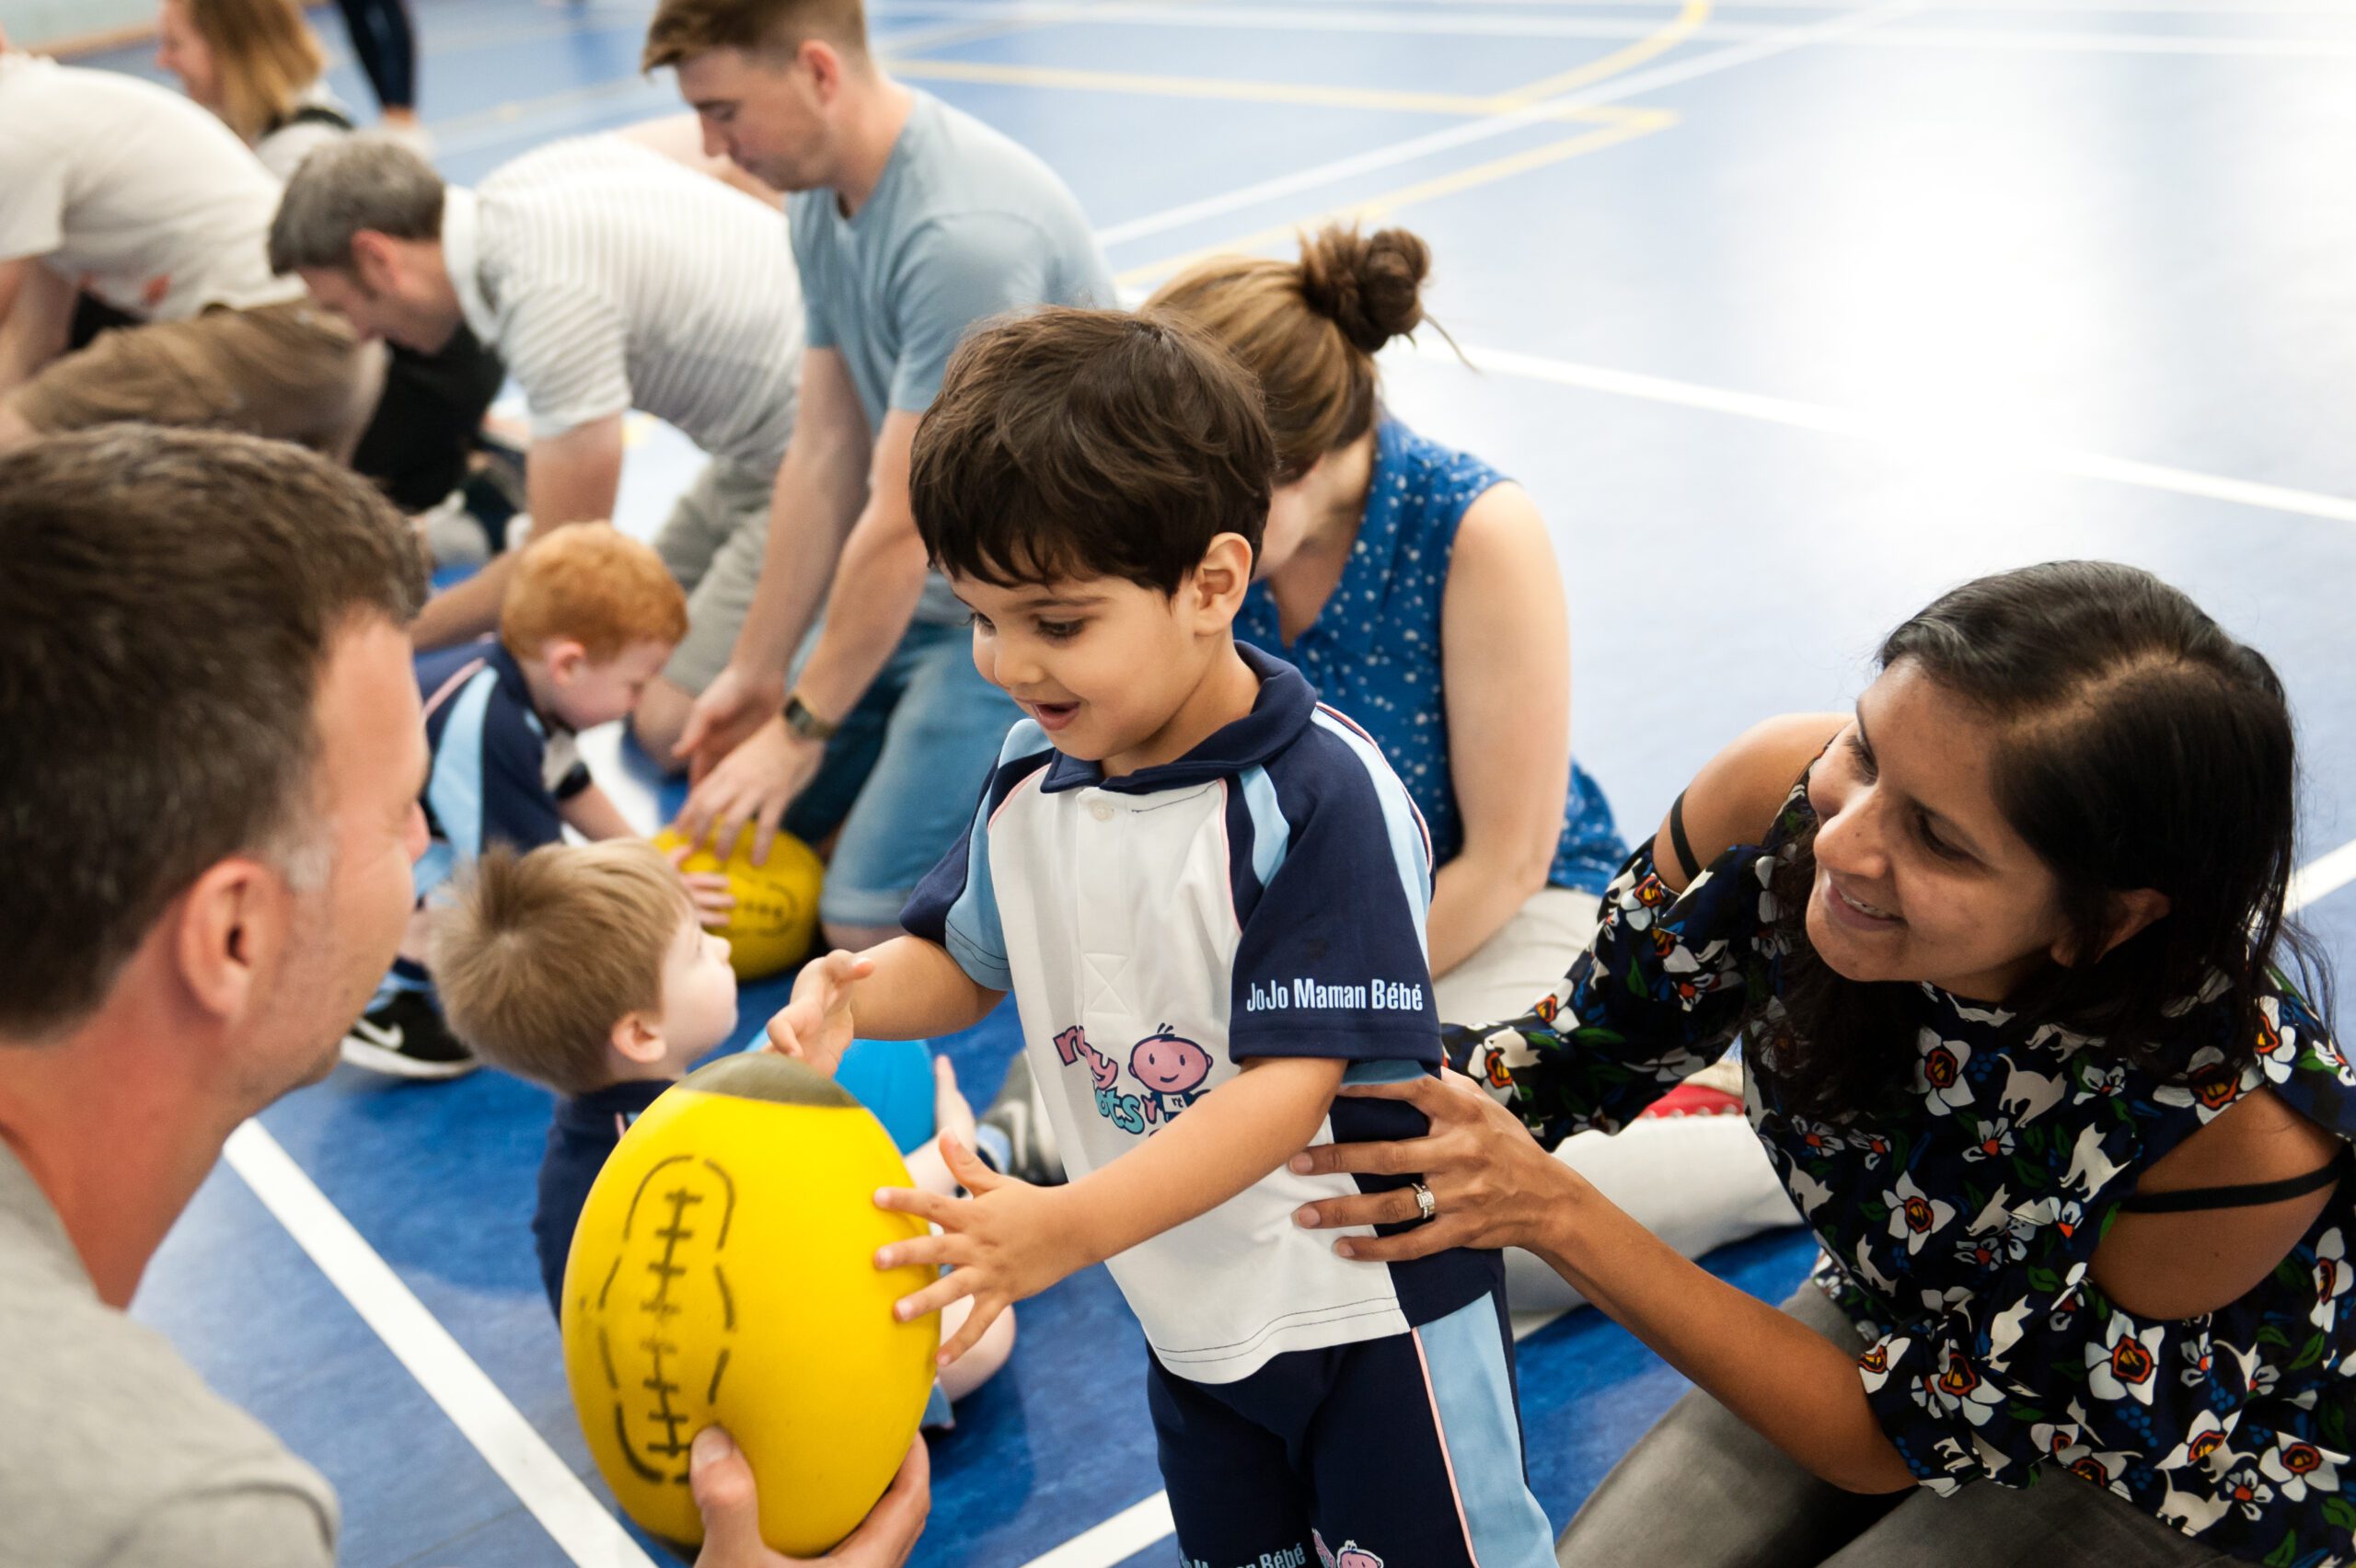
{"x": 406, "y": 1038}
{"x": 1018, "y": 1115}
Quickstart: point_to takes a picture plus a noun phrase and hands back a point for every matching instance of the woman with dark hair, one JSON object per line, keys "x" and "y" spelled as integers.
{"x": 2007, "y": 955}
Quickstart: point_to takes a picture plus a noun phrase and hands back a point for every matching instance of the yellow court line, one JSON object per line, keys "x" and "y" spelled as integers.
{"x": 1305, "y": 93}
{"x": 1630, "y": 123}
{"x": 1690, "y": 18}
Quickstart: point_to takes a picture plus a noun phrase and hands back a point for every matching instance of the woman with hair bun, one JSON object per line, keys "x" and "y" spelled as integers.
{"x": 1416, "y": 588}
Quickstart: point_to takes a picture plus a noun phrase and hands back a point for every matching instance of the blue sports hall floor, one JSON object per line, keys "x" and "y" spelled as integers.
{"x": 1789, "y": 315}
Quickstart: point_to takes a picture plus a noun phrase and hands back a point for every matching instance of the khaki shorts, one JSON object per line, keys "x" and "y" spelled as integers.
{"x": 293, "y": 372}
{"x": 714, "y": 542}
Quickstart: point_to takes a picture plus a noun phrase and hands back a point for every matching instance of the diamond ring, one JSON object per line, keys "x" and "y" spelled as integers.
{"x": 1425, "y": 1204}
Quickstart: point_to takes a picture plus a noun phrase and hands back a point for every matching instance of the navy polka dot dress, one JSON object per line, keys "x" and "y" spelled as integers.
{"x": 1374, "y": 651}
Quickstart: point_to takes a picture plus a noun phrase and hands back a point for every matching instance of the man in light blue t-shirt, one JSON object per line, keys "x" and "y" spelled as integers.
{"x": 910, "y": 222}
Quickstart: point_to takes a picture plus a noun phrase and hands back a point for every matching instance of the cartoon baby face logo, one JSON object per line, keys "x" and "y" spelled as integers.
{"x": 1172, "y": 1069}
{"x": 1352, "y": 1554}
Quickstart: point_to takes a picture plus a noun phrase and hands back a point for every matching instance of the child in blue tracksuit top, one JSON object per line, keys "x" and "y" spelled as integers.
{"x": 1207, "y": 896}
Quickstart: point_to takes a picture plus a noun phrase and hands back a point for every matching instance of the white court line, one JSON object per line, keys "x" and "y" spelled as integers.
{"x": 1482, "y": 130}
{"x": 1124, "y": 1535}
{"x": 2321, "y": 877}
{"x": 565, "y": 1508}
{"x": 1896, "y": 432}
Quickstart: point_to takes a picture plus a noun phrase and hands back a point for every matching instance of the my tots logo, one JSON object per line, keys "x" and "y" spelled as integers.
{"x": 1170, "y": 1068}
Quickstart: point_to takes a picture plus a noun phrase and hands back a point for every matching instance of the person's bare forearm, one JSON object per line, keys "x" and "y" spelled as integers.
{"x": 1221, "y": 1145}
{"x": 813, "y": 509}
{"x": 876, "y": 590}
{"x": 1787, "y": 1381}
{"x": 916, "y": 991}
{"x": 36, "y": 319}
{"x": 572, "y": 478}
{"x": 464, "y": 611}
{"x": 1472, "y": 900}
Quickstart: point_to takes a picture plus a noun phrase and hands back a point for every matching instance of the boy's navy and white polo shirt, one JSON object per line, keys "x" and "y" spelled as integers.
{"x": 1264, "y": 896}
{"x": 499, "y": 770}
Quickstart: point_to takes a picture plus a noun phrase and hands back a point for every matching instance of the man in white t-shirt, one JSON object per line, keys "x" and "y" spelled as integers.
{"x": 122, "y": 189}
{"x": 609, "y": 278}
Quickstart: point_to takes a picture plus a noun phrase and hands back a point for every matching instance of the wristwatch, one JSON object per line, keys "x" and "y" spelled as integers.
{"x": 804, "y": 723}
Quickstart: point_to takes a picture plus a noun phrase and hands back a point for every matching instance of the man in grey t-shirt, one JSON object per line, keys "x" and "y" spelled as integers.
{"x": 215, "y": 753}
{"x": 911, "y": 223}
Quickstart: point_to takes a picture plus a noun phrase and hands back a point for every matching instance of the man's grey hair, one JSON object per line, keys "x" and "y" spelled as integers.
{"x": 345, "y": 186}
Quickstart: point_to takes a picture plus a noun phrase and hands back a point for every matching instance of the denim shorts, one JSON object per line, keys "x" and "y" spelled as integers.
{"x": 902, "y": 776}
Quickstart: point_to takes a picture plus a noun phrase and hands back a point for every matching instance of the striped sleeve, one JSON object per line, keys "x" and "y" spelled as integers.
{"x": 568, "y": 348}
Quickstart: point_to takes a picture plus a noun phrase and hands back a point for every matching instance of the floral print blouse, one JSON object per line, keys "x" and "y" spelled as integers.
{"x": 1956, "y": 1236}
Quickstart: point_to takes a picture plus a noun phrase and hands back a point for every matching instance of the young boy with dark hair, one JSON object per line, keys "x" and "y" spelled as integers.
{"x": 585, "y": 968}
{"x": 586, "y": 623}
{"x": 1207, "y": 896}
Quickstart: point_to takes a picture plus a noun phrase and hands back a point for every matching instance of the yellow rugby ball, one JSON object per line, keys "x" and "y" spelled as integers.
{"x": 723, "y": 1272}
{"x": 776, "y": 918}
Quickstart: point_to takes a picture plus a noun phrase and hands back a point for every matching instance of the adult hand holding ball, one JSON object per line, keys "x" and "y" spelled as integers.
{"x": 729, "y": 1500}
{"x": 723, "y": 1273}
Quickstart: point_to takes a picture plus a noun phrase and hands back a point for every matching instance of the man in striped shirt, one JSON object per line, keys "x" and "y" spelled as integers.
{"x": 609, "y": 278}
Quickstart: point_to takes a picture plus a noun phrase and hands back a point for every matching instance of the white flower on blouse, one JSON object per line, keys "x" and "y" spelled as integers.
{"x": 2098, "y": 1083}
{"x": 2064, "y": 1215}
{"x": 2126, "y": 1363}
{"x": 1957, "y": 1388}
{"x": 2278, "y": 1048}
{"x": 1993, "y": 1140}
{"x": 2294, "y": 1467}
{"x": 2058, "y": 1438}
{"x": 2332, "y": 1278}
{"x": 2246, "y": 1490}
{"x": 2208, "y": 1088}
{"x": 1914, "y": 1217}
{"x": 1874, "y": 1365}
{"x": 2261, "y": 1376}
{"x": 1938, "y": 1077}
{"x": 2203, "y": 1448}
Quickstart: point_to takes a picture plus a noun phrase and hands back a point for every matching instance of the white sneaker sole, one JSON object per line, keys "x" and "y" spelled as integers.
{"x": 373, "y": 1059}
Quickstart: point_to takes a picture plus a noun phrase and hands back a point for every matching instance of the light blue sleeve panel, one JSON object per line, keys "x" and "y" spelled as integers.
{"x": 955, "y": 906}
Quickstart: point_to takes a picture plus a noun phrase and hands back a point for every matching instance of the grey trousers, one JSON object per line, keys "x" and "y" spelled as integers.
{"x": 1702, "y": 1489}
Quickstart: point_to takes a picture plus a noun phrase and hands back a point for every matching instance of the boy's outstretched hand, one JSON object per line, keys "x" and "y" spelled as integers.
{"x": 815, "y": 1026}
{"x": 1009, "y": 1241}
